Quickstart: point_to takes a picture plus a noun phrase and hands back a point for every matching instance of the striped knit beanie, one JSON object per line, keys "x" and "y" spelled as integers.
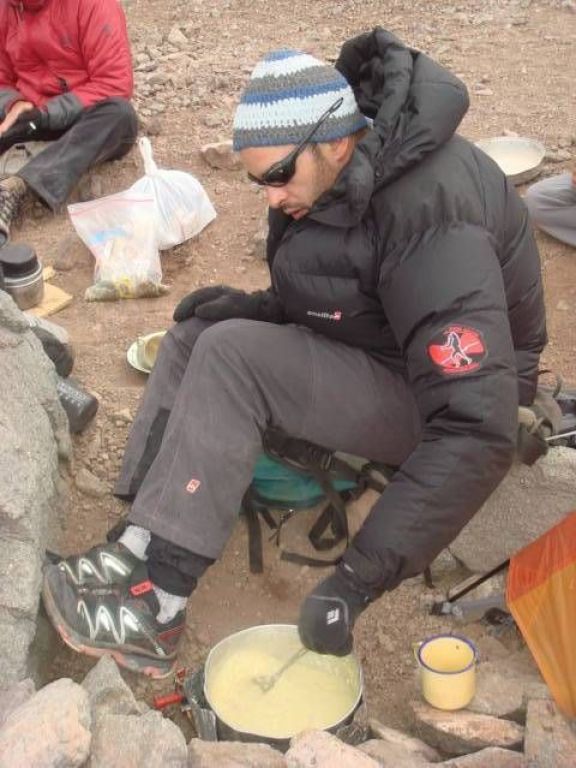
{"x": 287, "y": 93}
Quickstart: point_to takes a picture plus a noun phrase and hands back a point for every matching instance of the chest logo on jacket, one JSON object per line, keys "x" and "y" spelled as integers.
{"x": 457, "y": 349}
{"x": 337, "y": 315}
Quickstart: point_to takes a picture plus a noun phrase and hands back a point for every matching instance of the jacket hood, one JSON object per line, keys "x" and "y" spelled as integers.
{"x": 416, "y": 106}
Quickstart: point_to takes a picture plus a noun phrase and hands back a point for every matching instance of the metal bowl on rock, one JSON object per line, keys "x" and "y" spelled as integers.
{"x": 519, "y": 158}
{"x": 279, "y": 641}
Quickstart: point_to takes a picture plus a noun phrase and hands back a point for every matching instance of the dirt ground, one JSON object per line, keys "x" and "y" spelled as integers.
{"x": 518, "y": 60}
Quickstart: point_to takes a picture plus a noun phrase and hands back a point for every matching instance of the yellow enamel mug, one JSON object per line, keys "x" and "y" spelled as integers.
{"x": 447, "y": 670}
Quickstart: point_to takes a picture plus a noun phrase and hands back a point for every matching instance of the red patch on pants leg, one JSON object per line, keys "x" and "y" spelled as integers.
{"x": 193, "y": 485}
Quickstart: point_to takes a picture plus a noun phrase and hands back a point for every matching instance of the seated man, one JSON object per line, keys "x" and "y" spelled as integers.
{"x": 552, "y": 206}
{"x": 66, "y": 78}
{"x": 404, "y": 323}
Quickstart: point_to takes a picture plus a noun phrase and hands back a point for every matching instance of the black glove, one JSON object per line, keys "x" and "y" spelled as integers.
{"x": 219, "y": 302}
{"x": 329, "y": 613}
{"x": 26, "y": 128}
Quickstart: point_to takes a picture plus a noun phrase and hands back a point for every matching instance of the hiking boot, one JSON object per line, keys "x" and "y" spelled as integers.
{"x": 12, "y": 193}
{"x": 104, "y": 567}
{"x": 118, "y": 624}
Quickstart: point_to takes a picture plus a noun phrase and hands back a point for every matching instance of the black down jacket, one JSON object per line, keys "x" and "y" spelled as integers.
{"x": 423, "y": 255}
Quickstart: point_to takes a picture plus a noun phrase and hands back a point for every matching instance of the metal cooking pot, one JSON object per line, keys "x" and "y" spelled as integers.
{"x": 204, "y": 708}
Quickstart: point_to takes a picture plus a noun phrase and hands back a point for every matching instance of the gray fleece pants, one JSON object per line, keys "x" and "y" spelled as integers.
{"x": 214, "y": 390}
{"x": 552, "y": 207}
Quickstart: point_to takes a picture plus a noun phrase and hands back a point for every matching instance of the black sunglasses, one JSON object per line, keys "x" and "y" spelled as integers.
{"x": 281, "y": 172}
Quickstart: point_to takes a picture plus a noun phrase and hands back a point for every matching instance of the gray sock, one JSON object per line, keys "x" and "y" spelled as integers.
{"x": 136, "y": 539}
{"x": 170, "y": 605}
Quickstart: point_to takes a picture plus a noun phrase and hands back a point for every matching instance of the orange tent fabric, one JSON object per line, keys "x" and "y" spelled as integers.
{"x": 541, "y": 595}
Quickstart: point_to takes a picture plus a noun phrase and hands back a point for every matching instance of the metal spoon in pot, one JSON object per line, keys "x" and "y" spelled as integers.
{"x": 266, "y": 682}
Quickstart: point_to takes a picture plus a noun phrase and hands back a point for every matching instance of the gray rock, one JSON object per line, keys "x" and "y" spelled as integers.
{"x": 16, "y": 635}
{"x": 21, "y": 576}
{"x": 416, "y": 747}
{"x": 221, "y": 156}
{"x": 528, "y": 502}
{"x": 461, "y": 732}
{"x": 50, "y": 730}
{"x": 504, "y": 687}
{"x": 550, "y": 738}
{"x": 233, "y": 754}
{"x": 33, "y": 436}
{"x": 391, "y": 755}
{"x": 149, "y": 740}
{"x": 89, "y": 484}
{"x": 107, "y": 692}
{"x": 14, "y": 696}
{"x": 493, "y": 757}
{"x": 319, "y": 749}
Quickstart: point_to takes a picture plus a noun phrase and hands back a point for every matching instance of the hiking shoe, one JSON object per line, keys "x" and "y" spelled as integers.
{"x": 121, "y": 625}
{"x": 12, "y": 193}
{"x": 104, "y": 567}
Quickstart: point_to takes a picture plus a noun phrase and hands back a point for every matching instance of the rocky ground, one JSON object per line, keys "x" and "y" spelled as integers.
{"x": 518, "y": 59}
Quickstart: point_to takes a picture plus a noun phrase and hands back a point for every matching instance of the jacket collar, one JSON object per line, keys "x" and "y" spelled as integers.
{"x": 415, "y": 106}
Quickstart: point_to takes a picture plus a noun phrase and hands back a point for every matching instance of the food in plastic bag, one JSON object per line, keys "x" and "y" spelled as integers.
{"x": 183, "y": 208}
{"x": 120, "y": 231}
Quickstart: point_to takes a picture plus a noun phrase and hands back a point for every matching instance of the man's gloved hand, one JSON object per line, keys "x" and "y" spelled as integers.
{"x": 329, "y": 613}
{"x": 219, "y": 302}
{"x": 24, "y": 128}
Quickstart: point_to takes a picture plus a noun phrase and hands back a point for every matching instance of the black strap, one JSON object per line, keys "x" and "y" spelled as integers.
{"x": 255, "y": 555}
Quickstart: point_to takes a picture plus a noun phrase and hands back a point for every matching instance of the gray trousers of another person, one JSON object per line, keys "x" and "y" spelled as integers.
{"x": 215, "y": 389}
{"x": 552, "y": 207}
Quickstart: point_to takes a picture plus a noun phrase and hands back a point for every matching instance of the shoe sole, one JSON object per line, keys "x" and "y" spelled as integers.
{"x": 139, "y": 663}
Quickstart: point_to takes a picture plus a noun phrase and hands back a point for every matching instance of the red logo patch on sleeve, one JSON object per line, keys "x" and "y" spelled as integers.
{"x": 457, "y": 349}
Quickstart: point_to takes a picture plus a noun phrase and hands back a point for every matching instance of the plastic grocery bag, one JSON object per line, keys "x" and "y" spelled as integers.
{"x": 120, "y": 231}
{"x": 183, "y": 208}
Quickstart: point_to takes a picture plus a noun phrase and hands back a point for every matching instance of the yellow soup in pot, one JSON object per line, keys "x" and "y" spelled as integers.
{"x": 315, "y": 692}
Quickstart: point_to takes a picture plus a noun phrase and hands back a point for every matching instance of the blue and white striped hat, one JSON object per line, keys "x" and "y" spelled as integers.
{"x": 287, "y": 93}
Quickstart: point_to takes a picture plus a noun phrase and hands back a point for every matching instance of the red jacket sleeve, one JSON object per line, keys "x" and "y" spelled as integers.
{"x": 8, "y": 91}
{"x": 106, "y": 51}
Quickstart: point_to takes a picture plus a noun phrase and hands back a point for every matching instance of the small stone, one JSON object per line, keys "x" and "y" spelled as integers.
{"x": 563, "y": 306}
{"x": 409, "y": 743}
{"x": 319, "y": 749}
{"x": 233, "y": 754}
{"x": 72, "y": 253}
{"x": 493, "y": 757}
{"x": 51, "y": 729}
{"x": 558, "y": 156}
{"x": 177, "y": 38}
{"x": 550, "y": 738}
{"x": 158, "y": 78}
{"x": 107, "y": 692}
{"x": 211, "y": 121}
{"x": 462, "y": 732}
{"x": 221, "y": 156}
{"x": 124, "y": 415}
{"x": 484, "y": 92}
{"x": 89, "y": 484}
{"x": 154, "y": 127}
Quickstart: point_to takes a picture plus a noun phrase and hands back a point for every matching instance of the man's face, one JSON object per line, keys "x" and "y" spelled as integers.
{"x": 316, "y": 172}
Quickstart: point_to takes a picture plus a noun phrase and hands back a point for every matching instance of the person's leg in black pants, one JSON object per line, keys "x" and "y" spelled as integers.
{"x": 103, "y": 132}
